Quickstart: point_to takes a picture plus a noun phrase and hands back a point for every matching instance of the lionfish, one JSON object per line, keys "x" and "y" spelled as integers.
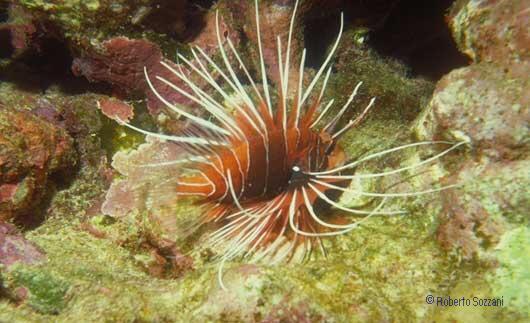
{"x": 259, "y": 171}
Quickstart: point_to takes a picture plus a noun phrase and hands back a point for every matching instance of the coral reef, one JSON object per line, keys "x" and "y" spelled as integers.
{"x": 89, "y": 229}
{"x": 31, "y": 151}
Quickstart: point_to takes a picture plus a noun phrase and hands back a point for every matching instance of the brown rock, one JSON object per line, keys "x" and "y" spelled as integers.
{"x": 485, "y": 104}
{"x": 31, "y": 149}
{"x": 492, "y": 31}
{"x": 460, "y": 228}
{"x": 20, "y": 35}
{"x": 166, "y": 260}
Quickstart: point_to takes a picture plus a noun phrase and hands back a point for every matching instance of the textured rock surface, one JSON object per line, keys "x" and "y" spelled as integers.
{"x": 81, "y": 21}
{"x": 31, "y": 150}
{"x": 492, "y": 31}
{"x": 491, "y": 201}
{"x": 18, "y": 34}
{"x": 486, "y": 105}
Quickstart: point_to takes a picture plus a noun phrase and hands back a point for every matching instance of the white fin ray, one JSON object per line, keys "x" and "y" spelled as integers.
{"x": 324, "y": 84}
{"x": 190, "y": 140}
{"x": 176, "y": 109}
{"x": 372, "y": 194}
{"x": 344, "y": 228}
{"x": 344, "y": 107}
{"x": 376, "y": 155}
{"x": 355, "y": 121}
{"x": 203, "y": 99}
{"x": 299, "y": 92}
{"x": 245, "y": 70}
{"x": 282, "y": 82}
{"x": 288, "y": 52}
{"x": 239, "y": 86}
{"x": 317, "y": 120}
{"x": 262, "y": 62}
{"x": 343, "y": 208}
{"x": 324, "y": 65}
{"x": 395, "y": 171}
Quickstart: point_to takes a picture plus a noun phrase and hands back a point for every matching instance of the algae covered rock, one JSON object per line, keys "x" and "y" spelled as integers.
{"x": 491, "y": 200}
{"x": 18, "y": 33}
{"x": 31, "y": 150}
{"x": 47, "y": 140}
{"x": 510, "y": 279}
{"x": 80, "y": 21}
{"x": 484, "y": 104}
{"x": 492, "y": 31}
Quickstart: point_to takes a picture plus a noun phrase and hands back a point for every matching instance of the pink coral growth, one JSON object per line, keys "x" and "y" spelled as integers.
{"x": 147, "y": 184}
{"x": 122, "y": 62}
{"x": 116, "y": 109}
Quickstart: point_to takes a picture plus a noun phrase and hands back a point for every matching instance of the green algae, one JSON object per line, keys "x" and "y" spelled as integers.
{"x": 399, "y": 97}
{"x": 512, "y": 278}
{"x": 46, "y": 291}
{"x": 120, "y": 138}
{"x": 500, "y": 192}
{"x": 77, "y": 17}
{"x": 86, "y": 24}
{"x": 83, "y": 260}
{"x": 91, "y": 266}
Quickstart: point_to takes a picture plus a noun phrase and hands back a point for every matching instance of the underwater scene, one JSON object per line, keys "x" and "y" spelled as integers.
{"x": 264, "y": 161}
